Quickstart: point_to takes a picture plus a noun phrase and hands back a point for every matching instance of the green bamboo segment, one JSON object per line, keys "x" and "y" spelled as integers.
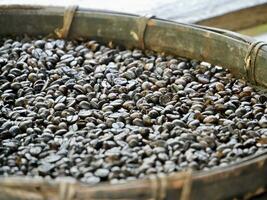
{"x": 188, "y": 41}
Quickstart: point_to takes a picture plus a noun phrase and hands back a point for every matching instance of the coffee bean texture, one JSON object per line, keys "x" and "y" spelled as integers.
{"x": 95, "y": 113}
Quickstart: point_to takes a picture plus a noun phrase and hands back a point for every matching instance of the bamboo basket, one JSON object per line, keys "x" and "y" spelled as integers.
{"x": 243, "y": 56}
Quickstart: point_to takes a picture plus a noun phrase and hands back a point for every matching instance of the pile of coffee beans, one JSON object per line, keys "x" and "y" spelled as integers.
{"x": 96, "y": 113}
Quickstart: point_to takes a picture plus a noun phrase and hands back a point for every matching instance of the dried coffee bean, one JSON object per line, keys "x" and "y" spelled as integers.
{"x": 219, "y": 86}
{"x": 60, "y": 106}
{"x": 35, "y": 151}
{"x": 102, "y": 173}
{"x": 72, "y": 118}
{"x": 210, "y": 119}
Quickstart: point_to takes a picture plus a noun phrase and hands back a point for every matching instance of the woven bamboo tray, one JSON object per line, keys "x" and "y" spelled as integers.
{"x": 243, "y": 56}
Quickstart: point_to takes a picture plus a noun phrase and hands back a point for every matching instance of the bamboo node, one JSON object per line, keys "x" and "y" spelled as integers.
{"x": 163, "y": 187}
{"x": 67, "y": 21}
{"x": 250, "y": 60}
{"x": 142, "y": 26}
{"x": 187, "y": 186}
{"x": 66, "y": 190}
{"x": 159, "y": 186}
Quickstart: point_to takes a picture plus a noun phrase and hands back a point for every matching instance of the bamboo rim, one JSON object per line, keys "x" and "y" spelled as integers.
{"x": 183, "y": 184}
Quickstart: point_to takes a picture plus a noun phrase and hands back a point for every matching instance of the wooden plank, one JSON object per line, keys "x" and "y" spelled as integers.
{"x": 239, "y": 19}
{"x": 255, "y": 31}
{"x": 195, "y": 11}
{"x": 258, "y": 32}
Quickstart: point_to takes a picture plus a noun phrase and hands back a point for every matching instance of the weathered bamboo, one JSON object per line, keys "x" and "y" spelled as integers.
{"x": 185, "y": 40}
{"x": 216, "y": 46}
{"x": 242, "y": 180}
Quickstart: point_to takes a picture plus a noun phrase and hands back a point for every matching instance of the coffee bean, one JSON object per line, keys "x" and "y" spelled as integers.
{"x": 72, "y": 118}
{"x": 45, "y": 168}
{"x": 164, "y": 99}
{"x": 85, "y": 113}
{"x": 14, "y": 130}
{"x": 52, "y": 158}
{"x": 32, "y": 77}
{"x": 210, "y": 119}
{"x": 35, "y": 151}
{"x": 194, "y": 123}
{"x": 219, "y": 86}
{"x": 102, "y": 173}
{"x": 203, "y": 79}
{"x": 60, "y": 106}
{"x": 161, "y": 83}
{"x": 263, "y": 122}
{"x": 118, "y": 125}
{"x": 84, "y": 105}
